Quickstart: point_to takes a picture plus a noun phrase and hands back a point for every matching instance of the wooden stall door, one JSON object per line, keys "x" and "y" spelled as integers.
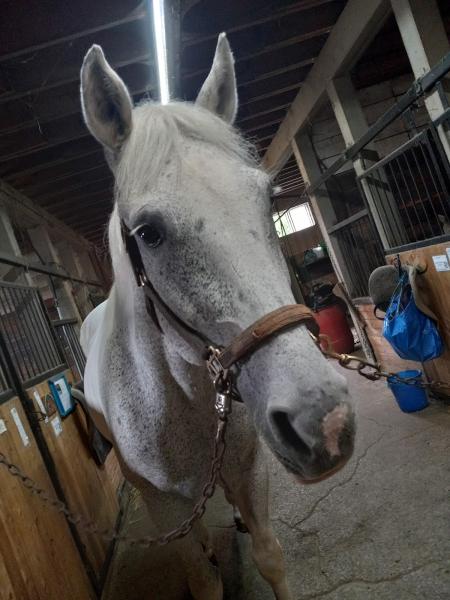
{"x": 38, "y": 557}
{"x": 89, "y": 489}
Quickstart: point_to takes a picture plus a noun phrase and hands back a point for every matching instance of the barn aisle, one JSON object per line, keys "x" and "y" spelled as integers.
{"x": 378, "y": 530}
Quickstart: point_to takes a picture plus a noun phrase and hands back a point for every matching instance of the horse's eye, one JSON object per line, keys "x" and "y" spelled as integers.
{"x": 151, "y": 235}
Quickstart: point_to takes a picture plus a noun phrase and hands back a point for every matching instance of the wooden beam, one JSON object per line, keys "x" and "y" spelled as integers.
{"x": 426, "y": 43}
{"x": 307, "y": 62}
{"x": 83, "y": 22}
{"x": 290, "y": 181}
{"x": 43, "y": 183}
{"x": 89, "y": 218}
{"x": 291, "y": 41}
{"x": 274, "y": 15}
{"x": 73, "y": 208}
{"x": 262, "y": 113}
{"x": 8, "y": 97}
{"x": 32, "y": 123}
{"x": 353, "y": 32}
{"x": 263, "y": 125}
{"x": 14, "y": 200}
{"x": 288, "y": 173}
{"x": 270, "y": 94}
{"x": 61, "y": 195}
{"x": 15, "y": 178}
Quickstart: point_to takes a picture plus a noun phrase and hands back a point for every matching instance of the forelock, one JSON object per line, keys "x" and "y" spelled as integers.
{"x": 157, "y": 136}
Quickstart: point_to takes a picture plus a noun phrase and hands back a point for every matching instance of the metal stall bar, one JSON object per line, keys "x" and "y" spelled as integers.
{"x": 28, "y": 334}
{"x": 420, "y": 87}
{"x": 17, "y": 261}
{"x": 66, "y": 331}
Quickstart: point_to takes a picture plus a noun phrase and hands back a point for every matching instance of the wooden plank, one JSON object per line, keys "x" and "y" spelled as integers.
{"x": 88, "y": 489}
{"x": 38, "y": 558}
{"x": 352, "y": 33}
{"x": 19, "y": 203}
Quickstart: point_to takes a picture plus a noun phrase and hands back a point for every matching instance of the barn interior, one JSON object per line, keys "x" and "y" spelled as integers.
{"x": 347, "y": 106}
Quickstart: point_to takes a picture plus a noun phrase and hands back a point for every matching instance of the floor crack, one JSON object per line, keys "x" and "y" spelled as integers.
{"x": 362, "y": 580}
{"x": 338, "y": 485}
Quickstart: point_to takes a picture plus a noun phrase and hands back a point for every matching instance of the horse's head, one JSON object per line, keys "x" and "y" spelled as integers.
{"x": 191, "y": 189}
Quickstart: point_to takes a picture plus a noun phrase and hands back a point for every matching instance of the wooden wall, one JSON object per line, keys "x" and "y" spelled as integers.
{"x": 297, "y": 243}
{"x": 89, "y": 490}
{"x": 38, "y": 556}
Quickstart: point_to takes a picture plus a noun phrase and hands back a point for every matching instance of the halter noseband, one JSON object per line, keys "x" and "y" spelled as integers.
{"x": 218, "y": 360}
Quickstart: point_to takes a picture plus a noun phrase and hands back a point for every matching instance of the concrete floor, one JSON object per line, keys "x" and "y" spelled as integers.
{"x": 380, "y": 529}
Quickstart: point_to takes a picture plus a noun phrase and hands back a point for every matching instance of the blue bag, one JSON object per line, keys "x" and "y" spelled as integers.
{"x": 412, "y": 334}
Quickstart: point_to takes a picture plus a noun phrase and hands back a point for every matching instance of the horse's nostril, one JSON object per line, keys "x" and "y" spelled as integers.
{"x": 288, "y": 434}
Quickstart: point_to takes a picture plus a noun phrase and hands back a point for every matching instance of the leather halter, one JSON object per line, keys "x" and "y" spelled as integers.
{"x": 243, "y": 344}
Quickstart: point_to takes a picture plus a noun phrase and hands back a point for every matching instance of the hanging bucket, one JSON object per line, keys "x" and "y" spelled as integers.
{"x": 410, "y": 398}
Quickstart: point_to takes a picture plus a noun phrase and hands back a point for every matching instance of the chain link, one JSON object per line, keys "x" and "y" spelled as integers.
{"x": 371, "y": 371}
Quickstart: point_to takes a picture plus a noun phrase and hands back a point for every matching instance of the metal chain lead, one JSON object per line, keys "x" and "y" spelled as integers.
{"x": 224, "y": 394}
{"x": 222, "y": 406}
{"x": 355, "y": 363}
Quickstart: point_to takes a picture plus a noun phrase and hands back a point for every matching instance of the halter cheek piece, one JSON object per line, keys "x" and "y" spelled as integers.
{"x": 219, "y": 360}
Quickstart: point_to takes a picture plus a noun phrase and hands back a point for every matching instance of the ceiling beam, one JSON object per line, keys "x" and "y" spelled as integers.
{"x": 110, "y": 15}
{"x": 43, "y": 182}
{"x": 66, "y": 194}
{"x": 352, "y": 33}
{"x": 16, "y": 201}
{"x": 307, "y": 62}
{"x": 33, "y": 123}
{"x": 14, "y": 178}
{"x": 8, "y": 97}
{"x": 81, "y": 197}
{"x": 263, "y": 125}
{"x": 91, "y": 217}
{"x": 291, "y": 41}
{"x": 273, "y": 16}
{"x": 289, "y": 177}
{"x": 262, "y": 113}
{"x": 99, "y": 225}
{"x": 271, "y": 94}
{"x": 287, "y": 170}
{"x": 73, "y": 208}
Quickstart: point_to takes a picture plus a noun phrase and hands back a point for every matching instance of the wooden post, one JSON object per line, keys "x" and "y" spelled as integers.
{"x": 320, "y": 202}
{"x": 44, "y": 246}
{"x": 357, "y": 25}
{"x": 353, "y": 124}
{"x": 425, "y": 41}
{"x": 9, "y": 245}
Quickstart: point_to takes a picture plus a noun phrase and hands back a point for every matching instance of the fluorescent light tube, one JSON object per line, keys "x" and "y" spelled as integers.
{"x": 161, "y": 49}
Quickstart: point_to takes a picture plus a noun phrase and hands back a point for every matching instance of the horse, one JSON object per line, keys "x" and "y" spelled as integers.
{"x": 193, "y": 197}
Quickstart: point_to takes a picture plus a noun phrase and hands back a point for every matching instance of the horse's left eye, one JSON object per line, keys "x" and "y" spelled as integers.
{"x": 151, "y": 235}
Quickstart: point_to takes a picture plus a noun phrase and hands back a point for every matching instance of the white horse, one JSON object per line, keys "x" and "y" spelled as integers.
{"x": 191, "y": 190}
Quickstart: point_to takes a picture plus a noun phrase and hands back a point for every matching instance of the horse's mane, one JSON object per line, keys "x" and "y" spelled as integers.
{"x": 156, "y": 137}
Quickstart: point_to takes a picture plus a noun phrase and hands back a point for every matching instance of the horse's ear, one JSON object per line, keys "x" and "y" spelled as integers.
{"x": 105, "y": 101}
{"x": 218, "y": 93}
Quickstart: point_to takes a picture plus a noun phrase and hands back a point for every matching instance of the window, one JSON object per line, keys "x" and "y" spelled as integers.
{"x": 295, "y": 219}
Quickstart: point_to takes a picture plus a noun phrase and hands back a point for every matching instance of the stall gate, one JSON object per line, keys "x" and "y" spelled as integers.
{"x": 42, "y": 556}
